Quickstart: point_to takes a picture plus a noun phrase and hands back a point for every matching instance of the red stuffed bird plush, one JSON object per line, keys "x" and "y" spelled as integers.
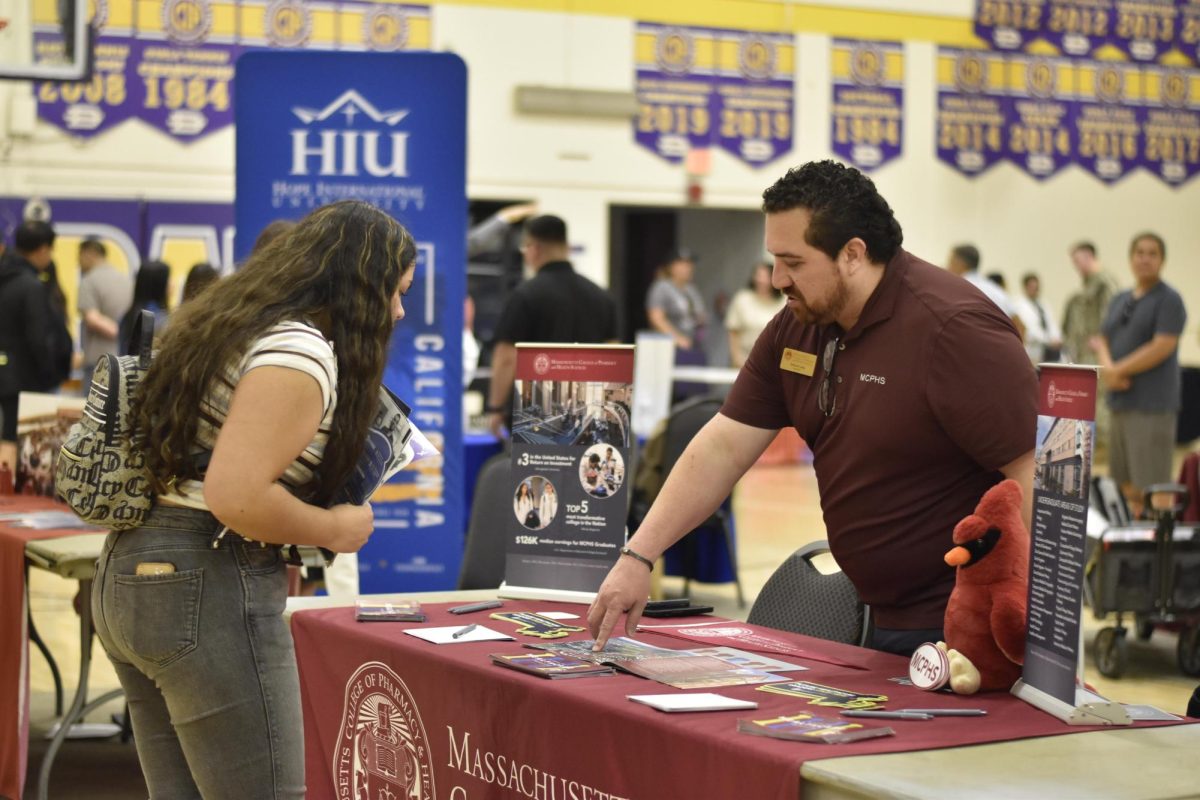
{"x": 985, "y": 619}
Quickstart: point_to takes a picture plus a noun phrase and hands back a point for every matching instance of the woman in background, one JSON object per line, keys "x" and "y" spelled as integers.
{"x": 199, "y": 278}
{"x": 149, "y": 294}
{"x": 272, "y": 378}
{"x": 750, "y": 311}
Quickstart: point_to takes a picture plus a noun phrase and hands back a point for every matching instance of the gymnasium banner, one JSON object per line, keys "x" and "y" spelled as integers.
{"x": 704, "y": 87}
{"x": 1143, "y": 30}
{"x": 107, "y": 99}
{"x": 1039, "y": 139}
{"x": 867, "y": 113}
{"x": 755, "y": 95}
{"x": 569, "y": 484}
{"x": 170, "y": 63}
{"x": 1009, "y": 24}
{"x": 1171, "y": 127}
{"x": 389, "y": 129}
{"x": 675, "y": 91}
{"x": 1107, "y": 125}
{"x": 973, "y": 109}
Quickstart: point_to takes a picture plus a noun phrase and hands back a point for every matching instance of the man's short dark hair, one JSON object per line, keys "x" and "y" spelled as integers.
{"x": 844, "y": 204}
{"x": 547, "y": 229}
{"x": 1030, "y": 276}
{"x": 32, "y": 235}
{"x": 1162, "y": 246}
{"x": 968, "y": 254}
{"x": 1088, "y": 246}
{"x": 94, "y": 246}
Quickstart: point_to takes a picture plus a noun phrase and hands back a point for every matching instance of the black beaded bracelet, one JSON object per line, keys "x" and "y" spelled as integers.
{"x": 625, "y": 551}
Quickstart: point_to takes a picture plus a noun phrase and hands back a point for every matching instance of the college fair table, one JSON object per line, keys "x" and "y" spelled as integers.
{"x": 14, "y": 641}
{"x": 385, "y": 712}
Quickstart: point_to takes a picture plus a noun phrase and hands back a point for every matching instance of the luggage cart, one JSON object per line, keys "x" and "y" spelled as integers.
{"x": 1151, "y": 570}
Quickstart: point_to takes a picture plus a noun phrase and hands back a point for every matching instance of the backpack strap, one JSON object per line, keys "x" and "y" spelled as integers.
{"x": 141, "y": 338}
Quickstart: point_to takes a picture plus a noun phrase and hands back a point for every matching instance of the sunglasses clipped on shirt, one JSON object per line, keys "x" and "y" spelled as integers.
{"x": 1127, "y": 310}
{"x": 827, "y": 395}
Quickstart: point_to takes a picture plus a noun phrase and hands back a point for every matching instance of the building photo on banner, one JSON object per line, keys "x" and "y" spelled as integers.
{"x": 1044, "y": 150}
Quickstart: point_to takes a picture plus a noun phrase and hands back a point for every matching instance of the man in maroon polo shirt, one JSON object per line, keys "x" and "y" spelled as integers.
{"x": 912, "y": 389}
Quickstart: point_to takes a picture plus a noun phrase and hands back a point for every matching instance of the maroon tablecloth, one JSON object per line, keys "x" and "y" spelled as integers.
{"x": 390, "y": 715}
{"x": 14, "y": 650}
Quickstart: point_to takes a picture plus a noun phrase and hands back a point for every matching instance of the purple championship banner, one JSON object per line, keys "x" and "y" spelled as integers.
{"x": 676, "y": 94}
{"x": 1010, "y": 24}
{"x": 755, "y": 94}
{"x": 1187, "y": 29}
{"x": 170, "y": 63}
{"x": 1171, "y": 125}
{"x": 111, "y": 95}
{"x": 184, "y": 52}
{"x": 1043, "y": 92}
{"x": 1144, "y": 29}
{"x": 1107, "y": 124}
{"x": 973, "y": 109}
{"x": 1077, "y": 27}
{"x": 867, "y": 113}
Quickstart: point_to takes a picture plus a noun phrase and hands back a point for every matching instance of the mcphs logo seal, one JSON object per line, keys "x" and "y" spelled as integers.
{"x": 382, "y": 750}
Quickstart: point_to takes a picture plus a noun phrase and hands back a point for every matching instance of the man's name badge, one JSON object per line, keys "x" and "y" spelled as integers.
{"x": 798, "y": 361}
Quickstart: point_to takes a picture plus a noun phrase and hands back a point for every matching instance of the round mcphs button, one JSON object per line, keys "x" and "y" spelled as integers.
{"x": 929, "y": 668}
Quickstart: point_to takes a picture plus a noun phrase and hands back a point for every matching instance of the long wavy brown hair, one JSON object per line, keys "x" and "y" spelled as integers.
{"x": 338, "y": 268}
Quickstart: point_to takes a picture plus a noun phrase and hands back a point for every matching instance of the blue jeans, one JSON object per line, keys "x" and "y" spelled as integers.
{"x": 205, "y": 657}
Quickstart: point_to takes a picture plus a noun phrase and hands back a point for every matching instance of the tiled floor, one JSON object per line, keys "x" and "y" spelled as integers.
{"x": 776, "y": 510}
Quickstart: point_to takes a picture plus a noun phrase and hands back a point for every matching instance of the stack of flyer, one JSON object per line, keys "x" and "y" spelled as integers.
{"x": 809, "y": 728}
{"x": 681, "y": 669}
{"x": 551, "y": 665}
{"x": 367, "y": 609}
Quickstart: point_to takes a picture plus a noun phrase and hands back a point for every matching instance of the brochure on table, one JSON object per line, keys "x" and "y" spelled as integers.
{"x": 566, "y": 509}
{"x": 1052, "y": 676}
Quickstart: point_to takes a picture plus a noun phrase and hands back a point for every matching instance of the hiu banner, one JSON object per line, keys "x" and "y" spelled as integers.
{"x": 388, "y": 129}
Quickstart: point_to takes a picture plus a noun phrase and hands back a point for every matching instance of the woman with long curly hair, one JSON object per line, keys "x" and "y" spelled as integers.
{"x": 251, "y": 417}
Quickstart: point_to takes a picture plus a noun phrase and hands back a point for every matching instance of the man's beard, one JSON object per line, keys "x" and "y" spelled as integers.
{"x": 825, "y": 313}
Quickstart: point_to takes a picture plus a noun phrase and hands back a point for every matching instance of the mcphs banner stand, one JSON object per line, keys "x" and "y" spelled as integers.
{"x": 1052, "y": 678}
{"x": 388, "y": 129}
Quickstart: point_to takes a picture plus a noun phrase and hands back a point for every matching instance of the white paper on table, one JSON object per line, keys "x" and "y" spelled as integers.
{"x": 740, "y": 658}
{"x": 700, "y": 701}
{"x": 556, "y": 615}
{"x": 446, "y": 635}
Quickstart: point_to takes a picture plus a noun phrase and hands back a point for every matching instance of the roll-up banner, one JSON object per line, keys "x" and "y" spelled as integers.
{"x": 388, "y": 129}
{"x": 571, "y": 437}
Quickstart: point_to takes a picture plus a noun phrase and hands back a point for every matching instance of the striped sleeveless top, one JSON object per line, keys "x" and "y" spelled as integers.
{"x": 295, "y": 345}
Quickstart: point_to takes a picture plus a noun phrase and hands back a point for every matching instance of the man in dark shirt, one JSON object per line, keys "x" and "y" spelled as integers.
{"x": 31, "y": 334}
{"x": 1139, "y": 350}
{"x": 556, "y": 305}
{"x": 912, "y": 389}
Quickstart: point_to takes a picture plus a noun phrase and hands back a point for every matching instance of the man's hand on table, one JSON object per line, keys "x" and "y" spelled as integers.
{"x": 626, "y": 589}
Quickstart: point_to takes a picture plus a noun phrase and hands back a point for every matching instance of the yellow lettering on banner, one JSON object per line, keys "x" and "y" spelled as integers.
{"x": 1019, "y": 14}
{"x": 798, "y": 361}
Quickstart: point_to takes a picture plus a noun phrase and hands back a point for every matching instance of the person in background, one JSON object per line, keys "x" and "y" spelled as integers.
{"x": 750, "y": 311}
{"x": 189, "y": 606}
{"x": 199, "y": 278}
{"x": 470, "y": 345}
{"x": 104, "y": 297}
{"x": 31, "y": 357}
{"x": 272, "y": 231}
{"x": 964, "y": 262}
{"x": 149, "y": 294}
{"x": 999, "y": 279}
{"x": 1043, "y": 338}
{"x": 674, "y": 305}
{"x": 912, "y": 388}
{"x": 1085, "y": 310}
{"x": 556, "y": 305}
{"x": 1139, "y": 357}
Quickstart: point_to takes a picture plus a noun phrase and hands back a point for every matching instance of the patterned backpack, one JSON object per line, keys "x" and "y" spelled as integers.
{"x": 100, "y": 473}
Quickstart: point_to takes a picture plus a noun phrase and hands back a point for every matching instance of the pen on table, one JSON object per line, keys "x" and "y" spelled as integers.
{"x": 467, "y": 609}
{"x": 885, "y": 714}
{"x": 463, "y": 631}
{"x": 946, "y": 712}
